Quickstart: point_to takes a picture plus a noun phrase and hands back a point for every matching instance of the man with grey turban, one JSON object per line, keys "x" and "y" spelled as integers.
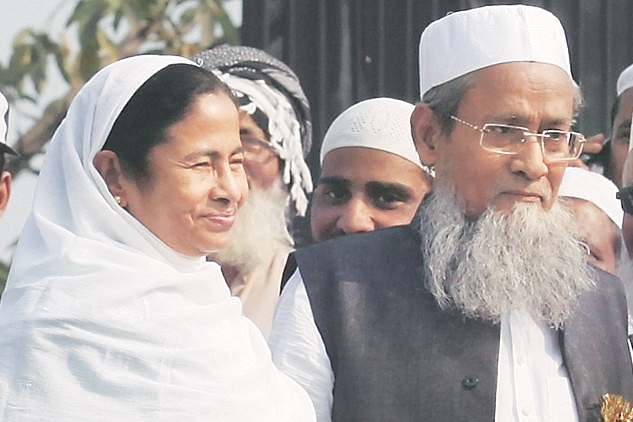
{"x": 276, "y": 134}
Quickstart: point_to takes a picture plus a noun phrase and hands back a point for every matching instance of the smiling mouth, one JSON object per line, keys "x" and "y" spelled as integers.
{"x": 223, "y": 219}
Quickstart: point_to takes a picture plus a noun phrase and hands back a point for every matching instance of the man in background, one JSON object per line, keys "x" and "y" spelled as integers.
{"x": 276, "y": 135}
{"x": 371, "y": 174}
{"x": 610, "y": 160}
{"x": 591, "y": 197}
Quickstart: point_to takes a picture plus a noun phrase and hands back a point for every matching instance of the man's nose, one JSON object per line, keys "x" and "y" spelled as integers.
{"x": 530, "y": 160}
{"x": 356, "y": 217}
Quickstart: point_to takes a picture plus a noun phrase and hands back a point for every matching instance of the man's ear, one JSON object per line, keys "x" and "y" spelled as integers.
{"x": 425, "y": 130}
{"x": 5, "y": 190}
{"x": 107, "y": 164}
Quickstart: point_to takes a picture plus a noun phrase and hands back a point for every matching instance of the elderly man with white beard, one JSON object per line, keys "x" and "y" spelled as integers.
{"x": 483, "y": 308}
{"x": 276, "y": 135}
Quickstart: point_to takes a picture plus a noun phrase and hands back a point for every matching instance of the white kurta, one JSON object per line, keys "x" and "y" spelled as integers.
{"x": 100, "y": 320}
{"x": 532, "y": 382}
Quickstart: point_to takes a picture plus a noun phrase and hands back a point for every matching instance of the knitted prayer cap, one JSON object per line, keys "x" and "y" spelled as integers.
{"x": 377, "y": 123}
{"x": 465, "y": 41}
{"x": 592, "y": 187}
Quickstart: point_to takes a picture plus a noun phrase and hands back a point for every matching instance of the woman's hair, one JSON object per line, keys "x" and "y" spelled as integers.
{"x": 164, "y": 99}
{"x": 444, "y": 99}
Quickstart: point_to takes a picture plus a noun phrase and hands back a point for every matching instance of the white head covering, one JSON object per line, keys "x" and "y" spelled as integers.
{"x": 469, "y": 40}
{"x": 593, "y": 187}
{"x": 101, "y": 320}
{"x": 377, "y": 123}
{"x": 4, "y": 115}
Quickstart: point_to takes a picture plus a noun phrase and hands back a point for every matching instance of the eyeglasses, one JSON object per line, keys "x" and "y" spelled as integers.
{"x": 256, "y": 150}
{"x": 625, "y": 195}
{"x": 557, "y": 145}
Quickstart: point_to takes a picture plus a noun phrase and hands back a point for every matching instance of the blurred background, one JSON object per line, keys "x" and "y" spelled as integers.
{"x": 343, "y": 51}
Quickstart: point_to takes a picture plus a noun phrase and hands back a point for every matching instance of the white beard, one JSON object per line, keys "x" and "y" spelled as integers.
{"x": 259, "y": 230}
{"x": 530, "y": 260}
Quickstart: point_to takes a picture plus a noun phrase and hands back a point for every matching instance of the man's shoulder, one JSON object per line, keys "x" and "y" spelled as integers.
{"x": 366, "y": 241}
{"x": 607, "y": 283}
{"x": 389, "y": 252}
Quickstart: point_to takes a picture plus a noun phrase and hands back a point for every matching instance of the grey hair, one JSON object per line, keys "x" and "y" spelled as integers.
{"x": 444, "y": 99}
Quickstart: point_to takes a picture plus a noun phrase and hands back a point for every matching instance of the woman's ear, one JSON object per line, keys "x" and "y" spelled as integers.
{"x": 425, "y": 130}
{"x": 107, "y": 164}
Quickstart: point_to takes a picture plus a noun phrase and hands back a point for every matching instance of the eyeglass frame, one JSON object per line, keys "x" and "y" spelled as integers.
{"x": 259, "y": 142}
{"x": 625, "y": 195}
{"x": 526, "y": 134}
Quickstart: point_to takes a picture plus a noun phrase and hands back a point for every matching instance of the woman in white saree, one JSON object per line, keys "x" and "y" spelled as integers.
{"x": 111, "y": 311}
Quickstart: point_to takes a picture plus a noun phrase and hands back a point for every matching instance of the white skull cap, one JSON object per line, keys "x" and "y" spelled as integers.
{"x": 592, "y": 187}
{"x": 462, "y": 42}
{"x": 625, "y": 80}
{"x": 4, "y": 112}
{"x": 377, "y": 123}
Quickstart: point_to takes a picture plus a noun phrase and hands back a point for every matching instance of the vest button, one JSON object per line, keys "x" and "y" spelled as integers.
{"x": 470, "y": 382}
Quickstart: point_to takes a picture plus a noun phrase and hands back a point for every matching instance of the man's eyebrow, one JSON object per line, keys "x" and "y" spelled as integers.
{"x": 394, "y": 186}
{"x": 518, "y": 120}
{"x": 333, "y": 180}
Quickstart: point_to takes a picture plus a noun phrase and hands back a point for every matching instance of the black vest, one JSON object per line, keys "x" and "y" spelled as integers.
{"x": 397, "y": 357}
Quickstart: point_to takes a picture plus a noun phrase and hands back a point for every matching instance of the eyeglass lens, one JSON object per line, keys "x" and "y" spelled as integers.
{"x": 257, "y": 150}
{"x": 556, "y": 144}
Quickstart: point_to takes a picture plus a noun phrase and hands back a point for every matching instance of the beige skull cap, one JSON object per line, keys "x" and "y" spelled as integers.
{"x": 378, "y": 123}
{"x": 465, "y": 41}
{"x": 593, "y": 187}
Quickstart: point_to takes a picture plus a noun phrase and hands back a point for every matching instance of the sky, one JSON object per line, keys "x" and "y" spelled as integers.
{"x": 50, "y": 16}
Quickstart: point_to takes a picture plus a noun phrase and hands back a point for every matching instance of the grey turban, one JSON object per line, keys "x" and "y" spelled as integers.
{"x": 270, "y": 92}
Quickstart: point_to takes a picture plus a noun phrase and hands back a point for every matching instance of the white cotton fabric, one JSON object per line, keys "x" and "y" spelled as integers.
{"x": 100, "y": 320}
{"x": 593, "y": 187}
{"x": 625, "y": 80}
{"x": 469, "y": 40}
{"x": 378, "y": 123}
